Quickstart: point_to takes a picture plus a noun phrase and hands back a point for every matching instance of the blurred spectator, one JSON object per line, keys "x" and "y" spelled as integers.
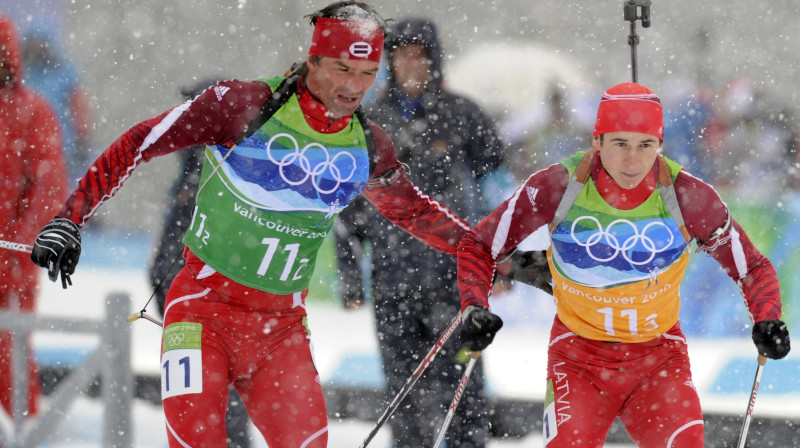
{"x": 32, "y": 185}
{"x": 789, "y": 118}
{"x": 51, "y": 73}
{"x": 379, "y": 88}
{"x": 755, "y": 142}
{"x": 449, "y": 144}
{"x": 687, "y": 114}
{"x": 560, "y": 135}
{"x": 545, "y": 134}
{"x": 169, "y": 260}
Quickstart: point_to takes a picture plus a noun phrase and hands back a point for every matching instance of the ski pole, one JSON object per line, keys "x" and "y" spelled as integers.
{"x": 459, "y": 391}
{"x": 751, "y": 404}
{"x": 413, "y": 378}
{"x": 26, "y": 248}
{"x": 15, "y": 246}
{"x": 630, "y": 8}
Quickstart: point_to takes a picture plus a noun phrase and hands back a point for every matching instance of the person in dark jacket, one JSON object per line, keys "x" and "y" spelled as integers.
{"x": 449, "y": 145}
{"x": 168, "y": 260}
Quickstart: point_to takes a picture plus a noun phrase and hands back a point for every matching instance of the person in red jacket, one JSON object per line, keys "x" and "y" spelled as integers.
{"x": 32, "y": 185}
{"x": 621, "y": 219}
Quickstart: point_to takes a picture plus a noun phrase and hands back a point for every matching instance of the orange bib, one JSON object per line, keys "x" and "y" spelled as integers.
{"x": 635, "y": 312}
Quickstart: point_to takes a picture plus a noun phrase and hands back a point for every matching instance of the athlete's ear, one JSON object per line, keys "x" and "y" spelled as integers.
{"x": 596, "y": 141}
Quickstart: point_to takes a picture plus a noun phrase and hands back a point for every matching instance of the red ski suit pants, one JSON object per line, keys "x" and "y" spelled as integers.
{"x": 226, "y": 333}
{"x": 647, "y": 385}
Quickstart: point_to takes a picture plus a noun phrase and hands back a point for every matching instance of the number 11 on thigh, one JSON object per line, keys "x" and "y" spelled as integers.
{"x": 181, "y": 359}
{"x": 181, "y": 372}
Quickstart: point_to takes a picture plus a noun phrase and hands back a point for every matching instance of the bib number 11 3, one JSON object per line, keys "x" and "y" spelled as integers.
{"x": 633, "y": 320}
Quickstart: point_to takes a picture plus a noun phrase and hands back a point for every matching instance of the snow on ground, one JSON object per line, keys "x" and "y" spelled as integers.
{"x": 82, "y": 430}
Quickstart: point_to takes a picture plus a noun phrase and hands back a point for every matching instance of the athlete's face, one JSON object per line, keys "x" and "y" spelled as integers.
{"x": 627, "y": 156}
{"x": 341, "y": 83}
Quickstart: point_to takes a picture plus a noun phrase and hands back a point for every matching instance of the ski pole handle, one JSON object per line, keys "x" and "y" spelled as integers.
{"x": 459, "y": 392}
{"x": 19, "y": 247}
{"x": 143, "y": 315}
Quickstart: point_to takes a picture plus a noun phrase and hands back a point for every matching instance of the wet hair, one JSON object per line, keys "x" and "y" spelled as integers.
{"x": 345, "y": 10}
{"x": 349, "y": 10}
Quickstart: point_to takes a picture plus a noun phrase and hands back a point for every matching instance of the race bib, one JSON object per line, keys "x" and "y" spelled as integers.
{"x": 181, "y": 360}
{"x": 549, "y": 424}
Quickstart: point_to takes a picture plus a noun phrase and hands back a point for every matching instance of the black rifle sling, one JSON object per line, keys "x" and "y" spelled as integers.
{"x": 371, "y": 151}
{"x": 279, "y": 97}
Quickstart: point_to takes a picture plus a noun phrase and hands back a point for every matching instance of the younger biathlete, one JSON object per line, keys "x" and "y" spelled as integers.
{"x": 621, "y": 219}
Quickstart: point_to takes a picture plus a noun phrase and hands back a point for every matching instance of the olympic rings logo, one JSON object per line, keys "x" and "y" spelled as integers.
{"x": 299, "y": 156}
{"x": 175, "y": 339}
{"x": 631, "y": 242}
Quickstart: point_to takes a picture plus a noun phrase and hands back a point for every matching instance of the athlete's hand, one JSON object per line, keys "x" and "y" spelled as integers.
{"x": 478, "y": 327}
{"x": 771, "y": 338}
{"x": 531, "y": 267}
{"x": 58, "y": 248}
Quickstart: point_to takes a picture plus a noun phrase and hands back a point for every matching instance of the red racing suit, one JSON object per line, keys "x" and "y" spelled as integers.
{"x": 33, "y": 182}
{"x": 255, "y": 340}
{"x": 645, "y": 382}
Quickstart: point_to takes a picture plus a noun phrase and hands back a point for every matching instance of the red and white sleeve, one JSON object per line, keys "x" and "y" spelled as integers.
{"x": 217, "y": 116}
{"x": 532, "y": 206}
{"x": 721, "y": 237}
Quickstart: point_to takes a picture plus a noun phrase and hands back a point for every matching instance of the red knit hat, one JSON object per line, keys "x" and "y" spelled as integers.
{"x": 630, "y": 107}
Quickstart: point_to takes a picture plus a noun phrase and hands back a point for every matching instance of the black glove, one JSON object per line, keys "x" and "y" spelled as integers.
{"x": 771, "y": 338}
{"x": 478, "y": 327}
{"x": 57, "y": 248}
{"x": 531, "y": 267}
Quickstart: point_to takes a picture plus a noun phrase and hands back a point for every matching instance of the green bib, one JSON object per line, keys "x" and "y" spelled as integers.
{"x": 267, "y": 204}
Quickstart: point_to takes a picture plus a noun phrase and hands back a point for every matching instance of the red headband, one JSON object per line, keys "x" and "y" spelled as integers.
{"x": 347, "y": 39}
{"x": 630, "y": 107}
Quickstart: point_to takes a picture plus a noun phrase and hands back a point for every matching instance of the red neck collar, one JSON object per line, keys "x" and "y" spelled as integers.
{"x": 316, "y": 113}
{"x": 621, "y": 198}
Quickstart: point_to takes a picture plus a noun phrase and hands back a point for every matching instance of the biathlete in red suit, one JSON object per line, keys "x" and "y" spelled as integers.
{"x": 236, "y": 312}
{"x": 621, "y": 218}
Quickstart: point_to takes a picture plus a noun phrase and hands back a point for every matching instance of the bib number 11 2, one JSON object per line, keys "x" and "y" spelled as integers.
{"x": 272, "y": 247}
